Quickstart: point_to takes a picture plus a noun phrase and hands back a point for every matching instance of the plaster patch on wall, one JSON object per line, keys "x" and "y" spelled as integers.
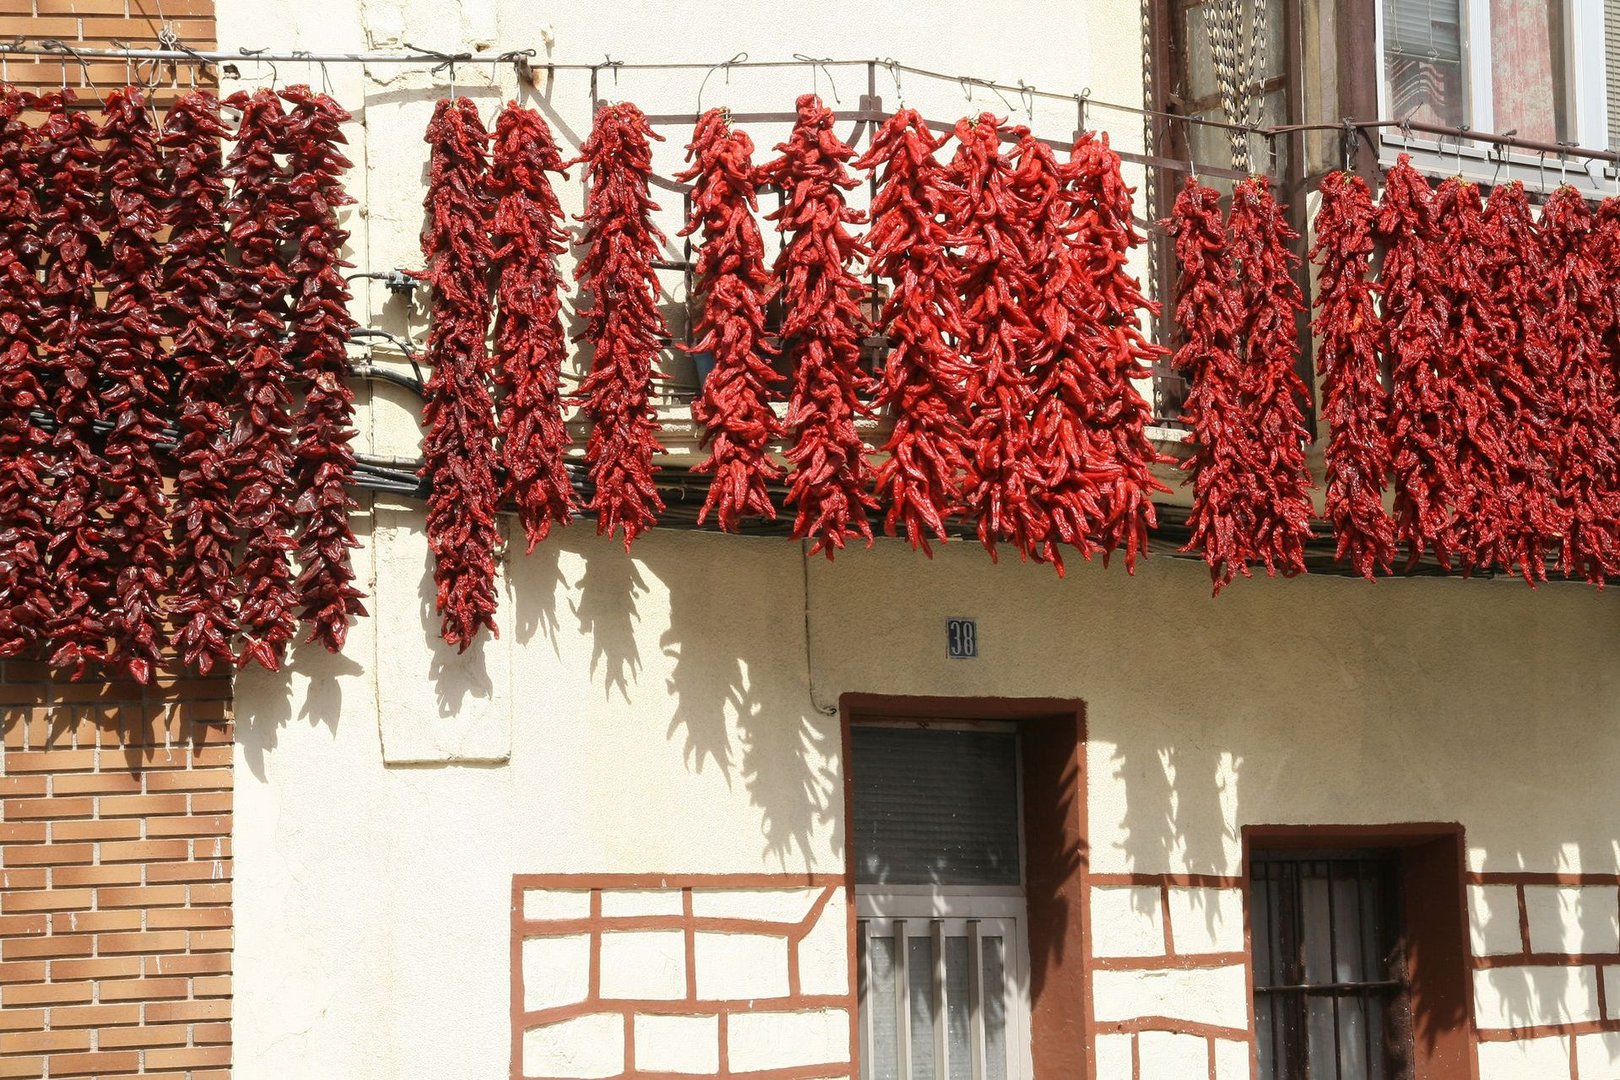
{"x": 682, "y": 975}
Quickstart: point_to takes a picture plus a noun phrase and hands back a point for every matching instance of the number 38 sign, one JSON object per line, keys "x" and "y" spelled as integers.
{"x": 961, "y": 639}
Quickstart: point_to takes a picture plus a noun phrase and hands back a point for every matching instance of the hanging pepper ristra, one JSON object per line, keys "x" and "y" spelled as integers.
{"x": 1474, "y": 336}
{"x": 1207, "y": 317}
{"x": 261, "y": 214}
{"x": 1355, "y": 403}
{"x": 1414, "y": 317}
{"x": 1071, "y": 456}
{"x": 197, "y": 287}
{"x": 1269, "y": 300}
{"x": 1101, "y": 232}
{"x": 527, "y": 233}
{"x": 458, "y": 449}
{"x": 71, "y": 220}
{"x": 822, "y": 326}
{"x": 1581, "y": 388}
{"x": 320, "y": 328}
{"x": 1524, "y": 268}
{"x": 924, "y": 381}
{"x": 984, "y": 219}
{"x": 26, "y": 600}
{"x": 622, "y": 321}
{"x": 734, "y": 405}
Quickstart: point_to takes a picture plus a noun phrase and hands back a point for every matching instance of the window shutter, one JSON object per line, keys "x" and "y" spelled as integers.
{"x": 935, "y": 807}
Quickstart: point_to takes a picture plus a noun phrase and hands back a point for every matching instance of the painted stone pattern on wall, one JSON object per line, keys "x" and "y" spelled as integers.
{"x": 618, "y": 976}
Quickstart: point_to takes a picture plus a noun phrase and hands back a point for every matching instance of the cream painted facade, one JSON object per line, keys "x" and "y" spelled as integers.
{"x": 673, "y": 712}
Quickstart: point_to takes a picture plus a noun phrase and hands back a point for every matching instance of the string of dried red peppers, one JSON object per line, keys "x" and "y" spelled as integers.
{"x": 1207, "y": 319}
{"x": 319, "y": 330}
{"x": 622, "y": 321}
{"x": 1101, "y": 232}
{"x": 26, "y": 601}
{"x": 1581, "y": 394}
{"x": 133, "y": 387}
{"x": 734, "y": 405}
{"x": 1355, "y": 404}
{"x": 984, "y": 218}
{"x": 527, "y": 235}
{"x": 924, "y": 380}
{"x": 71, "y": 221}
{"x": 197, "y": 283}
{"x": 821, "y": 331}
{"x": 1269, "y": 299}
{"x": 458, "y": 449}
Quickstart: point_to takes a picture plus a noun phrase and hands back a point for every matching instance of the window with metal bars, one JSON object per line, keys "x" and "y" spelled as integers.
{"x": 941, "y": 913}
{"x": 1330, "y": 996}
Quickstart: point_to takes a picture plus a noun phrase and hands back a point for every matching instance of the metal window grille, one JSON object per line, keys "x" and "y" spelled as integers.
{"x": 1329, "y": 990}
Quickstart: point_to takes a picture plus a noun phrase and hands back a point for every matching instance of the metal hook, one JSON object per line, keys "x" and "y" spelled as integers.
{"x": 1027, "y": 93}
{"x": 726, "y": 64}
{"x": 1080, "y": 101}
{"x": 1462, "y": 130}
{"x": 967, "y": 88}
{"x": 1406, "y": 135}
{"x": 1563, "y": 162}
{"x": 894, "y": 73}
{"x": 1348, "y": 145}
{"x": 326, "y": 80}
{"x": 818, "y": 67}
{"x": 613, "y": 66}
{"x": 1541, "y": 173}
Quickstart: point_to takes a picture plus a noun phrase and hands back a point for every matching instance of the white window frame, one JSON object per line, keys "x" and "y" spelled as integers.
{"x": 941, "y": 911}
{"x": 1587, "y": 90}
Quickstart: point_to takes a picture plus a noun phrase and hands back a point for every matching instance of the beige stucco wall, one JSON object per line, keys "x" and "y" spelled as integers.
{"x": 664, "y": 711}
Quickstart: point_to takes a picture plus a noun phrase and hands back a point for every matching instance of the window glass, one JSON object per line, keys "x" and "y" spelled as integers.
{"x": 935, "y": 807}
{"x": 1528, "y": 85}
{"x": 1423, "y": 61}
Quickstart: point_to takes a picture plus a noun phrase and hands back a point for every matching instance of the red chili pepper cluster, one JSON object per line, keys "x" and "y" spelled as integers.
{"x": 320, "y": 328}
{"x": 1108, "y": 333}
{"x": 821, "y": 331}
{"x": 1577, "y": 393}
{"x": 71, "y": 222}
{"x": 1269, "y": 300}
{"x": 262, "y": 221}
{"x": 26, "y": 592}
{"x": 1414, "y": 318}
{"x": 1355, "y": 403}
{"x": 458, "y": 450}
{"x": 925, "y": 377}
{"x": 133, "y": 387}
{"x": 1525, "y": 380}
{"x": 530, "y": 344}
{"x": 197, "y": 289}
{"x": 1207, "y": 321}
{"x": 734, "y": 405}
{"x": 986, "y": 220}
{"x": 622, "y": 321}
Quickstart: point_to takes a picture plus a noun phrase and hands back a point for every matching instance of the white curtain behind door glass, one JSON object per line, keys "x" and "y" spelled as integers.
{"x": 1423, "y": 61}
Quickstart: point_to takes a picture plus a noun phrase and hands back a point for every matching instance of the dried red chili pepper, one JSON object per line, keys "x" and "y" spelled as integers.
{"x": 1525, "y": 386}
{"x": 1269, "y": 300}
{"x": 1207, "y": 316}
{"x": 71, "y": 223}
{"x": 986, "y": 220}
{"x": 134, "y": 386}
{"x": 1474, "y": 333}
{"x": 26, "y": 591}
{"x": 1577, "y": 397}
{"x": 1415, "y": 312}
{"x": 197, "y": 287}
{"x": 622, "y": 321}
{"x": 734, "y": 405}
{"x": 1101, "y": 233}
{"x": 262, "y": 217}
{"x": 924, "y": 382}
{"x": 822, "y": 327}
{"x": 458, "y": 450}
{"x": 1355, "y": 404}
{"x": 530, "y": 343}
{"x": 320, "y": 328}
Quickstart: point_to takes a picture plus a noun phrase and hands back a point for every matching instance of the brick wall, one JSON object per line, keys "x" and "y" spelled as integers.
{"x": 115, "y": 877}
{"x": 101, "y": 24}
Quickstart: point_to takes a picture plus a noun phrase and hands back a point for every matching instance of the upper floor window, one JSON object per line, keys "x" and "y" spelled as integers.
{"x": 1532, "y": 67}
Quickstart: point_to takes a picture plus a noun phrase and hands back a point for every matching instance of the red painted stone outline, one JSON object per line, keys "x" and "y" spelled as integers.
{"x": 596, "y": 924}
